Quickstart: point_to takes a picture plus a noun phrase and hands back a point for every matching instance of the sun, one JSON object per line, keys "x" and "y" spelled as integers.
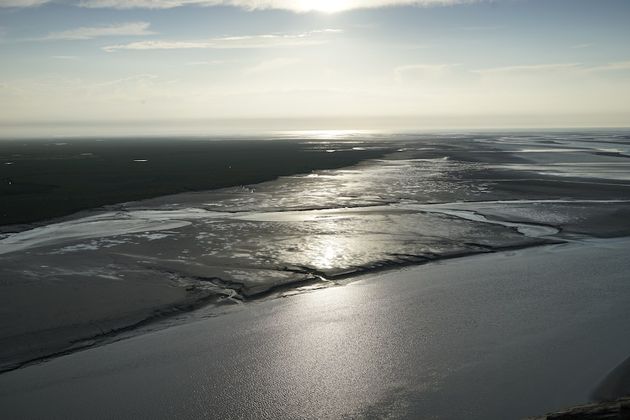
{"x": 324, "y": 6}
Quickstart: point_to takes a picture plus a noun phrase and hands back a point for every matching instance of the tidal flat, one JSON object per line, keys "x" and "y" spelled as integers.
{"x": 74, "y": 174}
{"x": 296, "y": 214}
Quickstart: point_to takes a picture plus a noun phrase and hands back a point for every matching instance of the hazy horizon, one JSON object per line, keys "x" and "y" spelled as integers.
{"x": 253, "y": 126}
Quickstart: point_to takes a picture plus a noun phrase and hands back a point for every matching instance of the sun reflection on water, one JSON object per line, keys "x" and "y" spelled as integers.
{"x": 335, "y": 251}
{"x": 326, "y": 134}
{"x": 328, "y": 253}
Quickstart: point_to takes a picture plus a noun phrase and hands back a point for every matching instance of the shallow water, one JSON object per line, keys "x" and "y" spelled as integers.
{"x": 435, "y": 197}
{"x": 500, "y": 336}
{"x": 342, "y": 220}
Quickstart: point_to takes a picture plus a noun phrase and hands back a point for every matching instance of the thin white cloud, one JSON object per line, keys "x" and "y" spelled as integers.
{"x": 22, "y": 3}
{"x": 90, "y": 32}
{"x": 537, "y": 68}
{"x": 144, "y": 79}
{"x": 143, "y": 4}
{"x": 482, "y": 28}
{"x": 65, "y": 57}
{"x": 271, "y": 65}
{"x": 205, "y": 63}
{"x": 293, "y": 5}
{"x": 415, "y": 72}
{"x": 581, "y": 46}
{"x": 616, "y": 66}
{"x": 412, "y": 47}
{"x": 233, "y": 42}
{"x": 576, "y": 68}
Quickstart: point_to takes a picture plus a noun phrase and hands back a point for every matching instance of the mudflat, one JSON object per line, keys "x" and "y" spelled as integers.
{"x": 41, "y": 179}
{"x": 407, "y": 343}
{"x": 109, "y": 273}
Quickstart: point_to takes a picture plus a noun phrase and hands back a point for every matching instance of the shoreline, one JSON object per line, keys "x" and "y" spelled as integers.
{"x": 472, "y": 216}
{"x": 122, "y": 329}
{"x": 198, "y": 296}
{"x": 405, "y": 327}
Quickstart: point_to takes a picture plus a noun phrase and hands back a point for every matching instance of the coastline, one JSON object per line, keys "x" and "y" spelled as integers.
{"x": 101, "y": 332}
{"x": 154, "y": 299}
{"x": 488, "y": 317}
{"x": 94, "y": 276}
{"x": 518, "y": 279}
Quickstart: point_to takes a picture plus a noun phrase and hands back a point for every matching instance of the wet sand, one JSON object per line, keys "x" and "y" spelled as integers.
{"x": 86, "y": 279}
{"x": 500, "y": 336}
{"x": 89, "y": 280}
{"x": 70, "y": 175}
{"x": 81, "y": 283}
{"x": 46, "y": 319}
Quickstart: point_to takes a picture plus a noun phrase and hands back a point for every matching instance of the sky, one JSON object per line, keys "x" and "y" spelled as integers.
{"x": 315, "y": 63}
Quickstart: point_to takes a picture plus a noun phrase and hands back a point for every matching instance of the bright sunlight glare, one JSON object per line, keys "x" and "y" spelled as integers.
{"x": 325, "y": 6}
